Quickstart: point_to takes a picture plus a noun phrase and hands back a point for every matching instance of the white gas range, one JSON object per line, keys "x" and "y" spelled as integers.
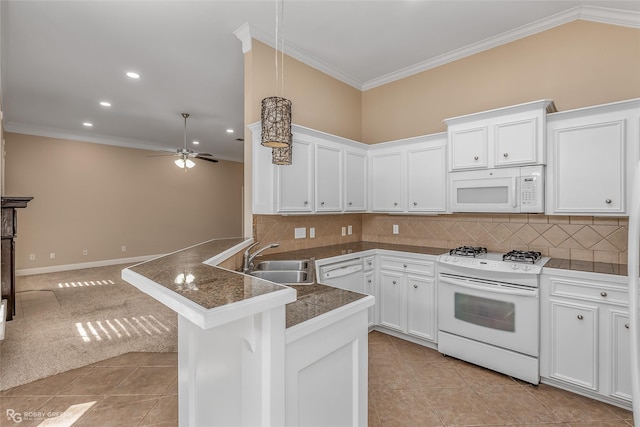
{"x": 489, "y": 309}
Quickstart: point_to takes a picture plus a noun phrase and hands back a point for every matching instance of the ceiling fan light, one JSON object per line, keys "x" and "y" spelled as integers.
{"x": 276, "y": 122}
{"x": 184, "y": 163}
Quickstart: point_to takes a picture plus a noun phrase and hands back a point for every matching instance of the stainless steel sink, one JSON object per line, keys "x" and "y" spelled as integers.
{"x": 290, "y": 276}
{"x": 287, "y": 272}
{"x": 282, "y": 265}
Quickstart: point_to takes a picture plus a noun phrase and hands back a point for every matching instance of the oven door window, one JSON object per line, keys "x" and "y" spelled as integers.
{"x": 490, "y": 313}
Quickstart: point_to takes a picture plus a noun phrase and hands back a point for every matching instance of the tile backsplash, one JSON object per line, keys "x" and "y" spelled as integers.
{"x": 582, "y": 238}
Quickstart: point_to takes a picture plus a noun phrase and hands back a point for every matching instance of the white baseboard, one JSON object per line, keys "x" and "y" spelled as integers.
{"x": 79, "y": 266}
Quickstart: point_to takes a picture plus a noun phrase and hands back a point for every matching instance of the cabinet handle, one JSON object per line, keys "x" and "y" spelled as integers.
{"x": 394, "y": 282}
{"x": 415, "y": 286}
{"x": 306, "y": 203}
{"x": 404, "y": 265}
{"x": 395, "y": 203}
{"x": 505, "y": 155}
{"x": 322, "y": 203}
{"x": 475, "y": 157}
{"x": 603, "y": 294}
{"x": 369, "y": 281}
{"x": 415, "y": 203}
{"x": 580, "y": 317}
{"x": 626, "y": 325}
{"x": 350, "y": 203}
{"x": 608, "y": 201}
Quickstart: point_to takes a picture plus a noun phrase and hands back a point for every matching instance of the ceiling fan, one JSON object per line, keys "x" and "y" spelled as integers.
{"x": 185, "y": 154}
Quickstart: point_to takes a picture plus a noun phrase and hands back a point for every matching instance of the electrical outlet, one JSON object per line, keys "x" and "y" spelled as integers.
{"x": 396, "y": 229}
{"x": 52, "y": 255}
{"x": 32, "y": 257}
{"x": 300, "y": 233}
{"x": 85, "y": 252}
{"x": 124, "y": 248}
{"x": 312, "y": 232}
{"x": 349, "y": 230}
{"x": 344, "y": 231}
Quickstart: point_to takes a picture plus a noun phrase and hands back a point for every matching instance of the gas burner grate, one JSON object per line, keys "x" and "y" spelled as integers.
{"x": 473, "y": 251}
{"x": 522, "y": 256}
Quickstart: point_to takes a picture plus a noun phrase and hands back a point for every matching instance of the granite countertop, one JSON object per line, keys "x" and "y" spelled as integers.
{"x": 213, "y": 287}
{"x": 588, "y": 266}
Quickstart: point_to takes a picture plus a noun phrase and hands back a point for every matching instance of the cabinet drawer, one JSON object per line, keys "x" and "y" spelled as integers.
{"x": 589, "y": 291}
{"x": 425, "y": 268}
{"x": 369, "y": 263}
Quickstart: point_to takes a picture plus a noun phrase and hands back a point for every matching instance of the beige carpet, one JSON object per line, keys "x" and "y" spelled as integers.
{"x": 75, "y": 318}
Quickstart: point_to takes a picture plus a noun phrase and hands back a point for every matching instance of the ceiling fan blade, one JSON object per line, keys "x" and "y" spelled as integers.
{"x": 207, "y": 159}
{"x": 203, "y": 154}
{"x": 162, "y": 155}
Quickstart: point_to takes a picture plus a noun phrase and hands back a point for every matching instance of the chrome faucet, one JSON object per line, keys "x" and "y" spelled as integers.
{"x": 247, "y": 259}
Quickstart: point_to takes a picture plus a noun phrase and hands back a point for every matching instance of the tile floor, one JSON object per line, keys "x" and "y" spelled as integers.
{"x": 409, "y": 385}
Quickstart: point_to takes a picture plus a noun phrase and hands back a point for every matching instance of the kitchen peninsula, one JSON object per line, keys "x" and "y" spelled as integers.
{"x": 246, "y": 355}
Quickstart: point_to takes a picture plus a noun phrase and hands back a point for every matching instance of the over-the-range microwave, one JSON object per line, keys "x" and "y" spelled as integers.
{"x": 519, "y": 189}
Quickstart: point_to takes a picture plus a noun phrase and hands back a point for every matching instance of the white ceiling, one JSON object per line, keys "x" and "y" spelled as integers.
{"x": 60, "y": 58}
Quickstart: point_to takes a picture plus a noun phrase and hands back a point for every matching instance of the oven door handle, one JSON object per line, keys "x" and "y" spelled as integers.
{"x": 492, "y": 289}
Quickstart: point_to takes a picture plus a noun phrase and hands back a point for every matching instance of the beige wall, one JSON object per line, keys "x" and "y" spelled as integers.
{"x": 577, "y": 65}
{"x": 318, "y": 102}
{"x": 98, "y": 197}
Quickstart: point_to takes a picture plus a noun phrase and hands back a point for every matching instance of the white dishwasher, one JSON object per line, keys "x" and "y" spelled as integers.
{"x": 346, "y": 274}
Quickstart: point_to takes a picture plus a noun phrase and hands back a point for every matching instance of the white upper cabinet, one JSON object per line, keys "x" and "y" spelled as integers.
{"x": 325, "y": 172}
{"x": 387, "y": 182}
{"x": 294, "y": 182}
{"x": 355, "y": 180}
{"x": 409, "y": 175}
{"x": 328, "y": 179}
{"x": 427, "y": 178}
{"x": 593, "y": 153}
{"x": 468, "y": 147}
{"x": 505, "y": 137}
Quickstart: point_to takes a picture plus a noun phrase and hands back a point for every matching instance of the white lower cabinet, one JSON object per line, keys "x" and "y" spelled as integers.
{"x": 407, "y": 296}
{"x": 370, "y": 289}
{"x": 584, "y": 338}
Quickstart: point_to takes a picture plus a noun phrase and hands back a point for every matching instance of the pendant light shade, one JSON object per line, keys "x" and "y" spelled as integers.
{"x": 184, "y": 163}
{"x": 276, "y": 122}
{"x": 282, "y": 156}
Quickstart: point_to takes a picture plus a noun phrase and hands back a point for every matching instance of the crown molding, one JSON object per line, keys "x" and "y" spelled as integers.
{"x": 48, "y": 132}
{"x": 587, "y": 13}
{"x": 294, "y": 52}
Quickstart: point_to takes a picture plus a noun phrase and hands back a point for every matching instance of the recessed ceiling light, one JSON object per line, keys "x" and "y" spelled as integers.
{"x": 105, "y": 103}
{"x": 133, "y": 75}
{"x": 229, "y": 130}
{"x": 87, "y": 124}
{"x": 196, "y": 142}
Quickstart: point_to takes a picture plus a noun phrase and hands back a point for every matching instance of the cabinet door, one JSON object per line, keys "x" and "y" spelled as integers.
{"x": 355, "y": 182}
{"x": 468, "y": 147}
{"x": 294, "y": 188}
{"x": 391, "y": 300}
{"x": 421, "y": 318}
{"x": 620, "y": 367}
{"x": 516, "y": 142}
{"x": 370, "y": 289}
{"x": 574, "y": 343}
{"x": 386, "y": 174}
{"x": 328, "y": 179}
{"x": 427, "y": 180}
{"x": 588, "y": 168}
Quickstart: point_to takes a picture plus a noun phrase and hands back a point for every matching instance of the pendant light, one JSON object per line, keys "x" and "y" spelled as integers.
{"x": 282, "y": 156}
{"x": 276, "y": 110}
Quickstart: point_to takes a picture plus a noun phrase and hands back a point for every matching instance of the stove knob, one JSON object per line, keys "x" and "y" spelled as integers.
{"x": 527, "y": 268}
{"x": 514, "y": 266}
{"x": 455, "y": 260}
{"x": 445, "y": 259}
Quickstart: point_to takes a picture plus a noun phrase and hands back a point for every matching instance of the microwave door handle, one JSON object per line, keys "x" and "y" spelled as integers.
{"x": 489, "y": 288}
{"x": 514, "y": 192}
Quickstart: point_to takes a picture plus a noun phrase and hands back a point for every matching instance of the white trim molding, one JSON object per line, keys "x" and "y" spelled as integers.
{"x": 79, "y": 266}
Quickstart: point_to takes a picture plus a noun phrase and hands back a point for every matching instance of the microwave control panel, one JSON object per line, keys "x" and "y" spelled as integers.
{"x": 531, "y": 193}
